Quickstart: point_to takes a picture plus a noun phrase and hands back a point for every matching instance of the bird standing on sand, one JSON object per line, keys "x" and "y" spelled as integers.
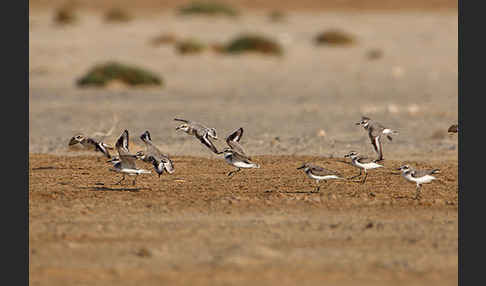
{"x": 319, "y": 173}
{"x": 235, "y": 155}
{"x": 125, "y": 162}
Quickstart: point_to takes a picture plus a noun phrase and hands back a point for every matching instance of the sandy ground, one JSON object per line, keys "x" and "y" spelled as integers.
{"x": 263, "y": 226}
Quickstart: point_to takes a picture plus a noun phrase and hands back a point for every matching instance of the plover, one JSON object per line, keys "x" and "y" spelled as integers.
{"x": 418, "y": 176}
{"x": 90, "y": 143}
{"x": 319, "y": 173}
{"x": 125, "y": 162}
{"x": 153, "y": 155}
{"x": 375, "y": 131}
{"x": 235, "y": 155}
{"x": 454, "y": 128}
{"x": 363, "y": 163}
{"x": 200, "y": 131}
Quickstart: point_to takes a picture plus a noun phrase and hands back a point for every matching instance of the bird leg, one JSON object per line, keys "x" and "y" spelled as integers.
{"x": 364, "y": 179}
{"x": 360, "y": 172}
{"x": 418, "y": 194}
{"x": 232, "y": 172}
{"x": 133, "y": 183}
{"x": 119, "y": 182}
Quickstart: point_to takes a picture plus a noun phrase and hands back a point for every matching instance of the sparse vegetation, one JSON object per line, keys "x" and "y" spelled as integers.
{"x": 163, "y": 39}
{"x": 117, "y": 15}
{"x": 277, "y": 16}
{"x": 334, "y": 37}
{"x": 374, "y": 54}
{"x": 66, "y": 14}
{"x": 208, "y": 8}
{"x": 102, "y": 74}
{"x": 253, "y": 43}
{"x": 190, "y": 46}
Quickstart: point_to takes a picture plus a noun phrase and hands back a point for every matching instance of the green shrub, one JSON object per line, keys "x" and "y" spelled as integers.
{"x": 190, "y": 46}
{"x": 65, "y": 15}
{"x": 208, "y": 8}
{"x": 334, "y": 37}
{"x": 163, "y": 39}
{"x": 117, "y": 15}
{"x": 101, "y": 74}
{"x": 253, "y": 43}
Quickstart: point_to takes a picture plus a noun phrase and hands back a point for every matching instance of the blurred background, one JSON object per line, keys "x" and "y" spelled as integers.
{"x": 296, "y": 75}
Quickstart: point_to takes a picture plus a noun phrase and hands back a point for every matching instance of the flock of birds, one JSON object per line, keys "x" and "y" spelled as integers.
{"x": 236, "y": 156}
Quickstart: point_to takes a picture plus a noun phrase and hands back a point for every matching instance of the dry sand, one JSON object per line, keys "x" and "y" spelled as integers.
{"x": 260, "y": 227}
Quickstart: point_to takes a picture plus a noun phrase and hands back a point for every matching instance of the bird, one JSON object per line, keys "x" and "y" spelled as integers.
{"x": 454, "y": 128}
{"x": 319, "y": 173}
{"x": 125, "y": 162}
{"x": 90, "y": 143}
{"x": 418, "y": 176}
{"x": 375, "y": 131}
{"x": 201, "y": 132}
{"x": 153, "y": 155}
{"x": 363, "y": 163}
{"x": 234, "y": 155}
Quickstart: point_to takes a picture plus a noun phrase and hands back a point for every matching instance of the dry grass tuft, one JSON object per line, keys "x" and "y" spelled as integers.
{"x": 102, "y": 74}
{"x": 334, "y": 37}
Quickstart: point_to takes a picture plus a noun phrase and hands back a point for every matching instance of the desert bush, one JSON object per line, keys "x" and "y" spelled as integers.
{"x": 277, "y": 16}
{"x": 253, "y": 43}
{"x": 334, "y": 37}
{"x": 101, "y": 74}
{"x": 117, "y": 15}
{"x": 189, "y": 46}
{"x": 208, "y": 8}
{"x": 163, "y": 39}
{"x": 65, "y": 14}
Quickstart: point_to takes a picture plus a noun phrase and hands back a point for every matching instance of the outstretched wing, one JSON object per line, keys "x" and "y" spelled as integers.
{"x": 235, "y": 135}
{"x": 183, "y": 120}
{"x": 205, "y": 140}
{"x": 122, "y": 144}
{"x": 233, "y": 141}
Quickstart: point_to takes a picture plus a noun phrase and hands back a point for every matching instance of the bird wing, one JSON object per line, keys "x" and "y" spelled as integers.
{"x": 453, "y": 129}
{"x": 364, "y": 160}
{"x": 320, "y": 171}
{"x": 205, "y": 140}
{"x": 421, "y": 173}
{"x": 122, "y": 144}
{"x": 242, "y": 157}
{"x": 235, "y": 135}
{"x": 233, "y": 141}
{"x": 128, "y": 161}
{"x": 183, "y": 120}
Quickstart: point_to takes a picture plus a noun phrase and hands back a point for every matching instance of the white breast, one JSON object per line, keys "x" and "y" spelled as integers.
{"x": 371, "y": 165}
{"x": 327, "y": 177}
{"x": 422, "y": 180}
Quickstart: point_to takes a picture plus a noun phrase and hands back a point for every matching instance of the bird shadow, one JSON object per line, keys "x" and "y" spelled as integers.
{"x": 292, "y": 192}
{"x": 108, "y": 189}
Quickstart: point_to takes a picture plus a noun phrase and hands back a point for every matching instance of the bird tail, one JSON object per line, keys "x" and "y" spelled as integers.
{"x": 435, "y": 171}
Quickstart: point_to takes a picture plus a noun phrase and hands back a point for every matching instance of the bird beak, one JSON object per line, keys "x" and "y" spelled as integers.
{"x": 399, "y": 169}
{"x": 301, "y": 167}
{"x": 358, "y": 123}
{"x": 347, "y": 155}
{"x": 178, "y": 127}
